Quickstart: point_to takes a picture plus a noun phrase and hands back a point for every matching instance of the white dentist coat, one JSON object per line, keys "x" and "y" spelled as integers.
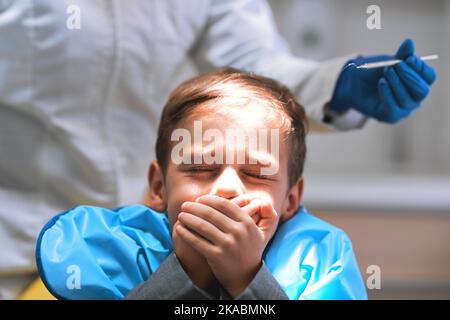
{"x": 79, "y": 108}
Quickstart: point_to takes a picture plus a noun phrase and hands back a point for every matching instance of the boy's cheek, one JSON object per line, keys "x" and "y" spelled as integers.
{"x": 174, "y": 206}
{"x": 173, "y": 209}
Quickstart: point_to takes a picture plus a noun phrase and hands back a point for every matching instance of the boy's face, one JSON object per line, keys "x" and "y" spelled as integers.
{"x": 262, "y": 170}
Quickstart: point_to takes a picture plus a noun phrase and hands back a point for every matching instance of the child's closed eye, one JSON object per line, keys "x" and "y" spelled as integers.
{"x": 199, "y": 169}
{"x": 257, "y": 175}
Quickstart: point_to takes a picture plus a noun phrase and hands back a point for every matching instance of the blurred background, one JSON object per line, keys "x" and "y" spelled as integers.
{"x": 388, "y": 187}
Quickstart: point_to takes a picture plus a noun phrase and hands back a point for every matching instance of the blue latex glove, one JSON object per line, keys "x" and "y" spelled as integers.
{"x": 387, "y": 94}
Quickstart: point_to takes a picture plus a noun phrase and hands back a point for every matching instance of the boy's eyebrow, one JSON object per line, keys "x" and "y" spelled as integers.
{"x": 251, "y": 157}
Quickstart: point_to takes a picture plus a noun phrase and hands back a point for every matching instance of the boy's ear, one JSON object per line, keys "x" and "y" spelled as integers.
{"x": 156, "y": 189}
{"x": 293, "y": 199}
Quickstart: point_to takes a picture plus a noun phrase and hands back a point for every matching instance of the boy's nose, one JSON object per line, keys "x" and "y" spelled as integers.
{"x": 228, "y": 184}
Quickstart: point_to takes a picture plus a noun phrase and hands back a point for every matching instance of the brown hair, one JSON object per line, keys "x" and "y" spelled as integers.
{"x": 218, "y": 85}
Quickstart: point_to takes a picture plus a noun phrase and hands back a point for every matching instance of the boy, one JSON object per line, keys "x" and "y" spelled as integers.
{"x": 230, "y": 154}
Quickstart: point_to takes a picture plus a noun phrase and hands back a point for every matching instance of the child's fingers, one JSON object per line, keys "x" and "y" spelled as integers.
{"x": 202, "y": 227}
{"x": 267, "y": 210}
{"x": 253, "y": 207}
{"x": 268, "y": 220}
{"x": 256, "y": 218}
{"x": 201, "y": 245}
{"x": 227, "y": 207}
{"x": 242, "y": 200}
{"x": 207, "y": 213}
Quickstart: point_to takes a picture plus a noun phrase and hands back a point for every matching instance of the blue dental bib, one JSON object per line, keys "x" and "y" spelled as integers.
{"x": 96, "y": 253}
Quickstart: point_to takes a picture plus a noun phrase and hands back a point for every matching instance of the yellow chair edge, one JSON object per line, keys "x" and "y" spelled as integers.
{"x": 36, "y": 291}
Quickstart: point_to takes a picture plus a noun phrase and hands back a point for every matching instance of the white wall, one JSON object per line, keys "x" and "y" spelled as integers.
{"x": 416, "y": 152}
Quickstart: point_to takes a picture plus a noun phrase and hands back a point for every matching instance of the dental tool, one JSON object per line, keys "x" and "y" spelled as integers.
{"x": 392, "y": 62}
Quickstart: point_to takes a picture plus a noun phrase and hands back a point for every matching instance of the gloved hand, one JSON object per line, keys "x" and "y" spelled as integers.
{"x": 387, "y": 94}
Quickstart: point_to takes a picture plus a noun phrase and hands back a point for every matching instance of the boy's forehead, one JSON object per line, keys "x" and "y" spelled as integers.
{"x": 244, "y": 114}
{"x": 255, "y": 131}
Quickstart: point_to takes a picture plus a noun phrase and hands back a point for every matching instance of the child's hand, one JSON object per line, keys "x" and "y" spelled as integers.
{"x": 266, "y": 218}
{"x": 228, "y": 237}
{"x": 193, "y": 263}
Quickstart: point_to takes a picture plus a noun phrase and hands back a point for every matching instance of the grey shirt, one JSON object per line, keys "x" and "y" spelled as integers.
{"x": 170, "y": 282}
